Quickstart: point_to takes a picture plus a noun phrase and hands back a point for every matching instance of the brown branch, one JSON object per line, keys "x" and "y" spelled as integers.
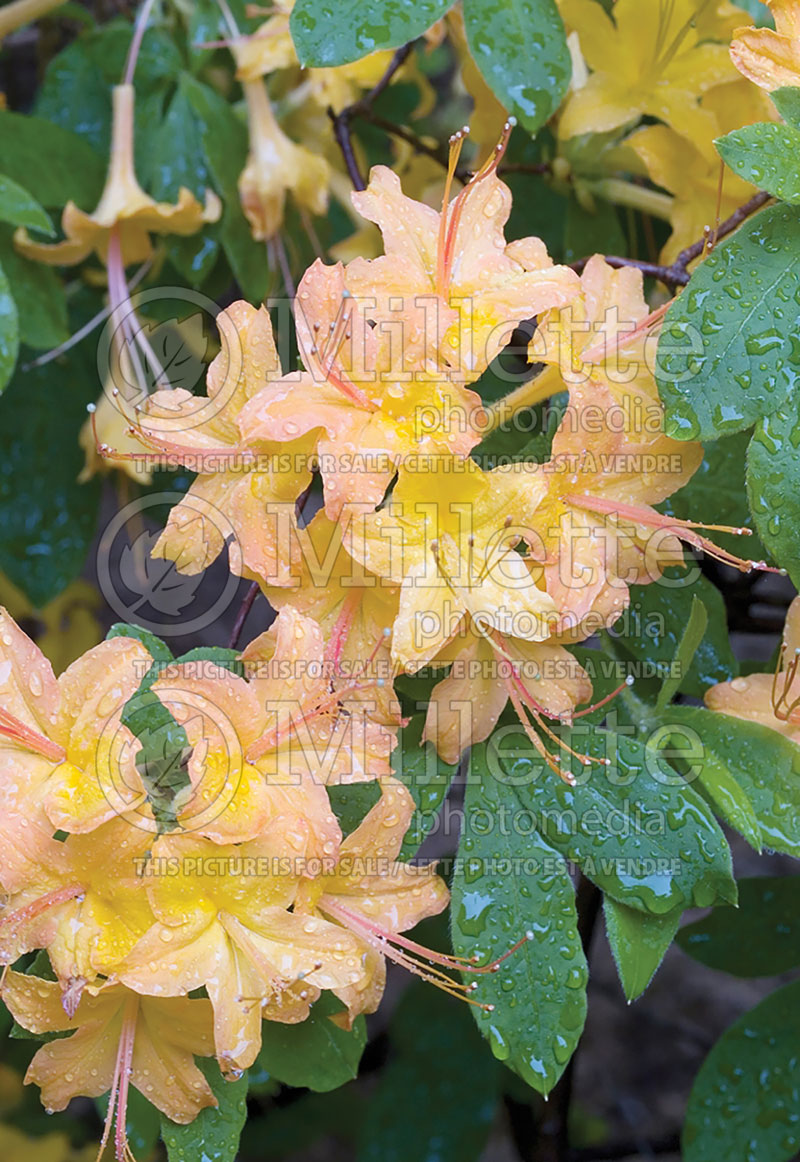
{"x": 677, "y": 273}
{"x": 363, "y": 108}
{"x": 241, "y": 616}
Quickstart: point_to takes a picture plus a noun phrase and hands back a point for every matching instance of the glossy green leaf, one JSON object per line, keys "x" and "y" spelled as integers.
{"x": 743, "y": 1104}
{"x": 39, "y": 294}
{"x": 728, "y": 353}
{"x": 327, "y": 34}
{"x": 718, "y": 486}
{"x": 773, "y": 484}
{"x": 316, "y": 1054}
{"x": 214, "y": 1134}
{"x": 634, "y": 827}
{"x": 652, "y": 628}
{"x": 221, "y": 656}
{"x": 47, "y": 519}
{"x": 9, "y": 331}
{"x": 761, "y": 763}
{"x": 759, "y": 938}
{"x": 685, "y": 651}
{"x": 766, "y": 156}
{"x": 440, "y": 1065}
{"x": 787, "y": 102}
{"x": 20, "y": 208}
{"x": 427, "y": 777}
{"x": 506, "y": 885}
{"x": 521, "y": 49}
{"x": 158, "y": 650}
{"x": 638, "y": 943}
{"x": 53, "y": 163}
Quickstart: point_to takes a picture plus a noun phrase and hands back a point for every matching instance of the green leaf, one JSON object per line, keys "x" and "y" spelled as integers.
{"x": 428, "y": 779}
{"x": 47, "y": 519}
{"x": 766, "y": 156}
{"x": 652, "y": 628}
{"x": 38, "y": 293}
{"x": 718, "y": 486}
{"x": 9, "y": 331}
{"x": 759, "y": 938}
{"x": 350, "y": 802}
{"x": 684, "y": 652}
{"x": 316, "y": 1054}
{"x": 214, "y": 1134}
{"x": 506, "y": 885}
{"x": 225, "y": 658}
{"x": 634, "y": 827}
{"x": 521, "y": 49}
{"x": 53, "y": 163}
{"x": 158, "y": 650}
{"x": 760, "y": 764}
{"x": 638, "y": 943}
{"x": 326, "y": 34}
{"x": 440, "y": 1065}
{"x": 162, "y": 760}
{"x": 728, "y": 353}
{"x": 20, "y": 208}
{"x": 773, "y": 484}
{"x": 787, "y": 102}
{"x": 743, "y": 1104}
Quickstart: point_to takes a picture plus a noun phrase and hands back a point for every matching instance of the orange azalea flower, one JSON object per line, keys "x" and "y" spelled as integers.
{"x": 119, "y": 1040}
{"x": 353, "y": 608}
{"x": 456, "y": 558}
{"x": 542, "y": 679}
{"x": 771, "y": 59}
{"x": 369, "y": 416}
{"x": 241, "y": 492}
{"x": 124, "y": 206}
{"x": 449, "y": 279}
{"x": 222, "y": 922}
{"x": 86, "y": 905}
{"x": 771, "y": 699}
{"x": 314, "y": 727}
{"x": 375, "y": 898}
{"x": 67, "y": 761}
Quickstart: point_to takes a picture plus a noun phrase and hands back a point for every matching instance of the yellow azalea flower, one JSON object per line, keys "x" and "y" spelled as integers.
{"x": 242, "y": 492}
{"x": 691, "y": 171}
{"x": 455, "y": 557}
{"x": 771, "y": 58}
{"x": 542, "y": 677}
{"x": 67, "y": 759}
{"x": 271, "y": 48}
{"x": 449, "y": 281}
{"x": 315, "y": 727}
{"x": 375, "y": 898}
{"x": 230, "y": 931}
{"x": 772, "y": 700}
{"x": 354, "y": 611}
{"x": 85, "y": 904}
{"x": 275, "y": 166}
{"x": 17, "y": 1146}
{"x": 119, "y": 1040}
{"x": 610, "y": 460}
{"x": 369, "y": 415}
{"x": 65, "y": 628}
{"x": 652, "y": 60}
{"x": 124, "y": 207}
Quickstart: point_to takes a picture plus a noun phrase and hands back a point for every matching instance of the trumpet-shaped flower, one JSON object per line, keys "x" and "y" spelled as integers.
{"x": 772, "y": 700}
{"x": 448, "y": 282}
{"x": 222, "y": 922}
{"x": 771, "y": 58}
{"x": 124, "y": 207}
{"x": 456, "y": 557}
{"x": 118, "y": 1040}
{"x": 368, "y": 416}
{"x": 243, "y": 492}
{"x": 652, "y": 60}
{"x": 374, "y": 897}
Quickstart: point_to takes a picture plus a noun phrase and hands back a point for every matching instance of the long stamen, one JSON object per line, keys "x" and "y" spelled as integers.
{"x": 781, "y": 706}
{"x": 28, "y": 912}
{"x": 683, "y": 529}
{"x": 340, "y": 331}
{"x": 456, "y": 145}
{"x": 12, "y": 728}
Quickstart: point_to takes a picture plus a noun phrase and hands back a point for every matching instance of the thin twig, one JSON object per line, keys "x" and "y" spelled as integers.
{"x": 677, "y": 272}
{"x": 241, "y": 616}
